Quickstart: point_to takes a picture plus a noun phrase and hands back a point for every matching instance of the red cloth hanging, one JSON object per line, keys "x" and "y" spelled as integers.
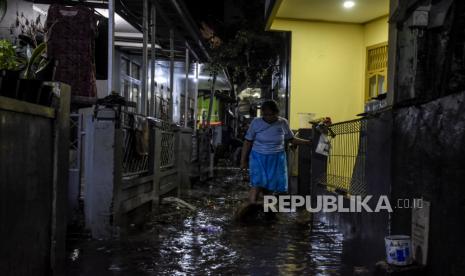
{"x": 70, "y": 41}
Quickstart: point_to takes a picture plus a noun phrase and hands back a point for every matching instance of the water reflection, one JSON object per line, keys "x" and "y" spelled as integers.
{"x": 210, "y": 243}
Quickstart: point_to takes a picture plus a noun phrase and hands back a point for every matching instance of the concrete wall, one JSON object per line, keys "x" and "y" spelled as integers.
{"x": 429, "y": 130}
{"x": 25, "y": 193}
{"x": 34, "y": 160}
{"x": 328, "y": 66}
{"x": 428, "y": 158}
{"x": 376, "y": 31}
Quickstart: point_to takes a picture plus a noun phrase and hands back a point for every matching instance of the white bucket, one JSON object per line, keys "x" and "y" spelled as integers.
{"x": 398, "y": 250}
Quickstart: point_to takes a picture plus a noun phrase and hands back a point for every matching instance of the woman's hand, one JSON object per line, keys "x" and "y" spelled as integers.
{"x": 244, "y": 170}
{"x": 245, "y": 154}
{"x": 308, "y": 142}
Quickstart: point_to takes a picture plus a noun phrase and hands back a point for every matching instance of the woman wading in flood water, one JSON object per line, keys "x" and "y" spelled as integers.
{"x": 264, "y": 152}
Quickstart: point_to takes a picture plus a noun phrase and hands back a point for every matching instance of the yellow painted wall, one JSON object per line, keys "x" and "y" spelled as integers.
{"x": 328, "y": 66}
{"x": 376, "y": 31}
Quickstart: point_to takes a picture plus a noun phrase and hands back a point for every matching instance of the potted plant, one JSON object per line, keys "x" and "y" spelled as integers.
{"x": 32, "y": 51}
{"x": 28, "y": 86}
{"x": 38, "y": 69}
{"x": 10, "y": 67}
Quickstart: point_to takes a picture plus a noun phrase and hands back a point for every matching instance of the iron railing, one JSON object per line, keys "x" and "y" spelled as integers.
{"x": 167, "y": 140}
{"x": 167, "y": 158}
{"x": 75, "y": 125}
{"x": 135, "y": 159}
{"x": 195, "y": 148}
{"x": 345, "y": 165}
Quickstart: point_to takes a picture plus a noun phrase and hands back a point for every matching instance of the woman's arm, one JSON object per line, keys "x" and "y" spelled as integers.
{"x": 245, "y": 154}
{"x": 291, "y": 137}
{"x": 299, "y": 141}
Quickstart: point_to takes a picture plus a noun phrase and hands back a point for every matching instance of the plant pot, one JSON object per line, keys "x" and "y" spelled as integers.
{"x": 47, "y": 72}
{"x": 8, "y": 83}
{"x": 46, "y": 95}
{"x": 29, "y": 90}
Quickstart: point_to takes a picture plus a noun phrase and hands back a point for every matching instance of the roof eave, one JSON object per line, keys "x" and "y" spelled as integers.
{"x": 270, "y": 17}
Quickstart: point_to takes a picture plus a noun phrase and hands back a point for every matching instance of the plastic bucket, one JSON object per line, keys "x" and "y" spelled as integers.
{"x": 398, "y": 250}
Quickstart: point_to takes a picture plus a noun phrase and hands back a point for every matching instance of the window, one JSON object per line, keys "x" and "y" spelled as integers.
{"x": 130, "y": 82}
{"x": 376, "y": 71}
{"x": 135, "y": 71}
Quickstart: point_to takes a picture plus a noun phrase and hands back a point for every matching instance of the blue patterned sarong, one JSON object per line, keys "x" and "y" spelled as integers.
{"x": 268, "y": 171}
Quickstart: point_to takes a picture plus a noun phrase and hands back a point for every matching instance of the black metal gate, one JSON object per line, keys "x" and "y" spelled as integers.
{"x": 344, "y": 170}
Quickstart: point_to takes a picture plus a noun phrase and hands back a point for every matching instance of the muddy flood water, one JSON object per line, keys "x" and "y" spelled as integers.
{"x": 208, "y": 241}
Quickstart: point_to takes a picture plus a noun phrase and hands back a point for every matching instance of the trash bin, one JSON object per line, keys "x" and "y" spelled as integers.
{"x": 305, "y": 164}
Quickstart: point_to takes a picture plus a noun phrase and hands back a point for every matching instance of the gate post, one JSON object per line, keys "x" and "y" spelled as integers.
{"x": 99, "y": 172}
{"x": 184, "y": 160}
{"x": 156, "y": 168}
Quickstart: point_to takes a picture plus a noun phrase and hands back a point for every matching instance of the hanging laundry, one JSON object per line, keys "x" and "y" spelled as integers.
{"x": 141, "y": 127}
{"x": 71, "y": 37}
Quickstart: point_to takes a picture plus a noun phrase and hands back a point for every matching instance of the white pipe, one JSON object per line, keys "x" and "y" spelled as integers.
{"x": 144, "y": 92}
{"x": 171, "y": 107}
{"x": 153, "y": 96}
{"x": 111, "y": 46}
{"x": 196, "y": 94}
{"x": 186, "y": 88}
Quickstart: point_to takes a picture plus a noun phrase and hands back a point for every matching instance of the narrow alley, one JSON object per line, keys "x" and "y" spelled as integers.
{"x": 232, "y": 137}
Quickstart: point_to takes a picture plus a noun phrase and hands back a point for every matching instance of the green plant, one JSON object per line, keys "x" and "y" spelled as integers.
{"x": 29, "y": 34}
{"x": 8, "y": 58}
{"x": 37, "y": 62}
{"x": 29, "y": 31}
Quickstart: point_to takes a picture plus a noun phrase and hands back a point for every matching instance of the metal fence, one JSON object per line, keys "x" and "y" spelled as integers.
{"x": 75, "y": 188}
{"x": 195, "y": 148}
{"x": 345, "y": 166}
{"x": 75, "y": 125}
{"x": 167, "y": 149}
{"x": 135, "y": 160}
